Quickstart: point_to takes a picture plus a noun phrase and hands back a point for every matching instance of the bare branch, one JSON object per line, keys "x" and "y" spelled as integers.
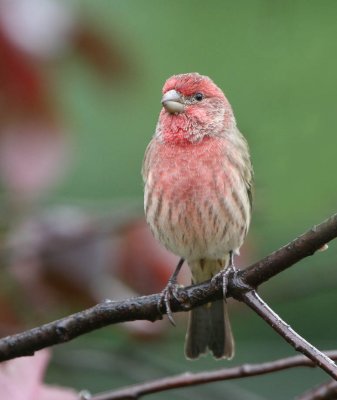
{"x": 65, "y": 329}
{"x": 145, "y": 307}
{"x": 201, "y": 378}
{"x": 254, "y": 301}
{"x": 304, "y": 246}
{"x": 325, "y": 391}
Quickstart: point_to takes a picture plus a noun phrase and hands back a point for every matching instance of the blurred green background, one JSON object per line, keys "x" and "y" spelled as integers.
{"x": 277, "y": 63}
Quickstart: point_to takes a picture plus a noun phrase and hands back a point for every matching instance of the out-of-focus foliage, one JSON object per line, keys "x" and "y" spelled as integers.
{"x": 277, "y": 63}
{"x": 29, "y": 371}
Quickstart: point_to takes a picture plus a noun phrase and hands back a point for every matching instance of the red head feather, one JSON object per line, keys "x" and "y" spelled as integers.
{"x": 189, "y": 84}
{"x": 211, "y": 116}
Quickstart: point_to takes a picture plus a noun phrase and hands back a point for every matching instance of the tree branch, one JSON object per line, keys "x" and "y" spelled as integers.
{"x": 254, "y": 301}
{"x": 304, "y": 246}
{"x": 201, "y": 378}
{"x": 145, "y": 307}
{"x": 325, "y": 391}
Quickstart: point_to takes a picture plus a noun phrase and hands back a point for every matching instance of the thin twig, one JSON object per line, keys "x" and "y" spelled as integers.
{"x": 325, "y": 391}
{"x": 145, "y": 307}
{"x": 254, "y": 301}
{"x": 200, "y": 378}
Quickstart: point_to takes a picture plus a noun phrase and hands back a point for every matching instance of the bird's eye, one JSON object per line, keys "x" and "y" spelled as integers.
{"x": 198, "y": 96}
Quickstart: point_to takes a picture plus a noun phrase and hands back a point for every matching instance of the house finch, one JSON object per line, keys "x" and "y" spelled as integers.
{"x": 198, "y": 179}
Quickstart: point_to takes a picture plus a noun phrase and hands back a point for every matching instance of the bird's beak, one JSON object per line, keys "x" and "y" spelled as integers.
{"x": 172, "y": 101}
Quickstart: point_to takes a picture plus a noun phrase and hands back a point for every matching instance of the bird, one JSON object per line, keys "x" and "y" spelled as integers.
{"x": 198, "y": 180}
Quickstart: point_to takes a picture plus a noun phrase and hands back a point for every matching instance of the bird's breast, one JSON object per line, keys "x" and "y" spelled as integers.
{"x": 193, "y": 197}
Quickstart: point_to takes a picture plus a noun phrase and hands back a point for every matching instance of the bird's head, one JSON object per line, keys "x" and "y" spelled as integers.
{"x": 193, "y": 107}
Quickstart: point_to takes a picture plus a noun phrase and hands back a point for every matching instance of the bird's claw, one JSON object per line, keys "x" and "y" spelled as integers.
{"x": 170, "y": 292}
{"x": 224, "y": 276}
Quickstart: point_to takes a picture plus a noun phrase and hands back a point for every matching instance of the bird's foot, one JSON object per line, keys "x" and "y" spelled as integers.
{"x": 224, "y": 275}
{"x": 170, "y": 292}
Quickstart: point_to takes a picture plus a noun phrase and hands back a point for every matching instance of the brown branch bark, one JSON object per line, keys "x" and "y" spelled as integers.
{"x": 254, "y": 301}
{"x": 325, "y": 391}
{"x": 201, "y": 378}
{"x": 145, "y": 307}
{"x": 288, "y": 255}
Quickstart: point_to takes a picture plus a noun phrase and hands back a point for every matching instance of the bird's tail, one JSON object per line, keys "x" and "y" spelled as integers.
{"x": 209, "y": 326}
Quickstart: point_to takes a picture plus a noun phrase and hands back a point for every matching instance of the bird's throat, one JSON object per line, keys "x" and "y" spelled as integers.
{"x": 178, "y": 129}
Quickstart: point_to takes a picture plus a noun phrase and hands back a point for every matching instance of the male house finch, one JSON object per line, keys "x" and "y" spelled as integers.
{"x": 198, "y": 179}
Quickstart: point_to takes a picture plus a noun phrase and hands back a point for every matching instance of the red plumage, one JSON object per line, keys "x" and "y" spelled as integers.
{"x": 198, "y": 175}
